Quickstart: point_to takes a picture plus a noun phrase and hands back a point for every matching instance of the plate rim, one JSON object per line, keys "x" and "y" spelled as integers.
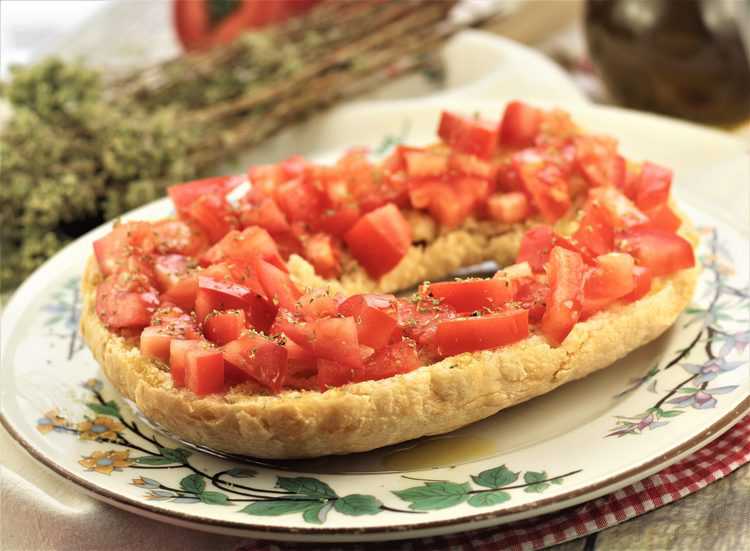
{"x": 480, "y": 520}
{"x": 14, "y": 309}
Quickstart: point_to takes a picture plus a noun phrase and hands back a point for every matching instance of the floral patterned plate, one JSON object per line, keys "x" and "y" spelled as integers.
{"x": 583, "y": 440}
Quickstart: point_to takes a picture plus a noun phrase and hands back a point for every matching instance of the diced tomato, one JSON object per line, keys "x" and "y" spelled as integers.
{"x": 265, "y": 178}
{"x": 609, "y": 281}
{"x": 178, "y": 350}
{"x": 170, "y": 269}
{"x": 472, "y": 136}
{"x": 520, "y": 124}
{"x": 421, "y": 192}
{"x": 664, "y": 218}
{"x": 125, "y": 300}
{"x": 472, "y": 295}
{"x": 323, "y": 253}
{"x": 300, "y": 200}
{"x": 222, "y": 327}
{"x": 595, "y": 231}
{"x": 394, "y": 359}
{"x": 204, "y": 372}
{"x": 507, "y": 177}
{"x": 125, "y": 241}
{"x": 660, "y": 251}
{"x": 333, "y": 374}
{"x": 482, "y": 333}
{"x": 379, "y": 240}
{"x": 244, "y": 247}
{"x": 293, "y": 167}
{"x": 425, "y": 164}
{"x": 155, "y": 342}
{"x": 336, "y": 339}
{"x": 375, "y": 326}
{"x": 652, "y": 188}
{"x": 333, "y": 339}
{"x": 175, "y": 322}
{"x": 508, "y": 208}
{"x": 179, "y": 237}
{"x": 317, "y": 303}
{"x": 214, "y": 295}
{"x": 213, "y": 214}
{"x": 642, "y": 279}
{"x": 300, "y": 362}
{"x": 183, "y": 292}
{"x": 532, "y": 295}
{"x": 278, "y": 286}
{"x": 612, "y": 278}
{"x": 449, "y": 206}
{"x": 265, "y": 214}
{"x": 566, "y": 271}
{"x": 419, "y": 319}
{"x": 184, "y": 195}
{"x": 471, "y": 165}
{"x": 536, "y": 246}
{"x": 261, "y": 358}
{"x": 545, "y": 183}
{"x": 598, "y": 161}
{"x": 337, "y": 221}
{"x": 623, "y": 213}
{"x": 359, "y": 174}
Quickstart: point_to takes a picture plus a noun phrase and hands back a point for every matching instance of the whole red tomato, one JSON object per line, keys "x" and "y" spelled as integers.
{"x": 202, "y": 24}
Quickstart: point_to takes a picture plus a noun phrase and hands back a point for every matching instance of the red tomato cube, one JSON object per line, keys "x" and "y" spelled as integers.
{"x": 596, "y": 233}
{"x": 482, "y": 333}
{"x": 661, "y": 252}
{"x": 184, "y": 195}
{"x": 204, "y": 372}
{"x": 244, "y": 247}
{"x": 642, "y": 279}
{"x": 379, "y": 240}
{"x": 520, "y": 125}
{"x": 425, "y": 164}
{"x": 277, "y": 285}
{"x": 652, "y": 187}
{"x": 566, "y": 271}
{"x": 394, "y": 359}
{"x": 323, "y": 253}
{"x": 472, "y": 295}
{"x": 222, "y": 327}
{"x": 178, "y": 350}
{"x": 375, "y": 326}
{"x": 155, "y": 342}
{"x": 471, "y": 136}
{"x": 508, "y": 208}
{"x": 213, "y": 214}
{"x": 264, "y": 360}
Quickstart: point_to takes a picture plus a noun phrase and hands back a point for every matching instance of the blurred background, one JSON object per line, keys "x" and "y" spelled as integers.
{"x": 112, "y": 100}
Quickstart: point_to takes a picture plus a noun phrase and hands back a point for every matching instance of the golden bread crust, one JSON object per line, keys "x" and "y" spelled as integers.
{"x": 434, "y": 399}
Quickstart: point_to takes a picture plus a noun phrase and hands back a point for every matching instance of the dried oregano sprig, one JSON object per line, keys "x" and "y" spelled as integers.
{"x": 82, "y": 147}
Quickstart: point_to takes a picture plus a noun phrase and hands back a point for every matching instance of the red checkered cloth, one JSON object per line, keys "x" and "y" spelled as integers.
{"x": 715, "y": 461}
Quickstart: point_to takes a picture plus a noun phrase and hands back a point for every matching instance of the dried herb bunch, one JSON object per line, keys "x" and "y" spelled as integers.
{"x": 82, "y": 147}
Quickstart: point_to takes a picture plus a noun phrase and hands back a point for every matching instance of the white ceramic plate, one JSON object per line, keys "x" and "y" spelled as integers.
{"x": 581, "y": 441}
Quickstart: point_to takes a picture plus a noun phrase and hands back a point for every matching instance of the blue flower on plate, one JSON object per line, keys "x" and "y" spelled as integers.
{"x": 711, "y": 369}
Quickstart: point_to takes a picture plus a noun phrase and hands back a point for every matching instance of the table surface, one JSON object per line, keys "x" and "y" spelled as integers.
{"x": 714, "y": 518}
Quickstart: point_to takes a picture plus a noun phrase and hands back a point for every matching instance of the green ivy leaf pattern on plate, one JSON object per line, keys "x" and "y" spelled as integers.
{"x": 108, "y": 408}
{"x": 193, "y": 483}
{"x": 306, "y": 486}
{"x": 358, "y": 504}
{"x": 276, "y": 508}
{"x": 435, "y": 495}
{"x": 311, "y": 497}
{"x": 489, "y": 499}
{"x": 317, "y": 513}
{"x": 495, "y": 478}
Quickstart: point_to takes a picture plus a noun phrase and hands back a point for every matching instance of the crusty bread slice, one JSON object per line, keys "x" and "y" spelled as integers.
{"x": 433, "y": 399}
